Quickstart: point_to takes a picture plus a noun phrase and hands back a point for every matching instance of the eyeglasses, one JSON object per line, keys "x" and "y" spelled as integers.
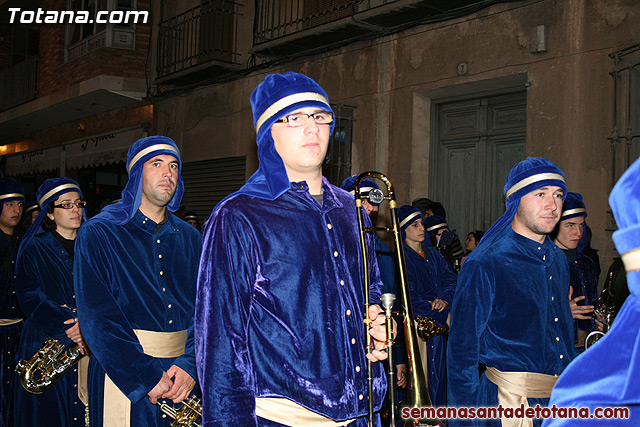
{"x": 301, "y": 119}
{"x": 70, "y": 205}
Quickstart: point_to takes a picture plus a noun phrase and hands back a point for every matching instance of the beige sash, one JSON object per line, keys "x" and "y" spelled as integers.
{"x": 117, "y": 407}
{"x": 9, "y": 322}
{"x": 83, "y": 385}
{"x": 515, "y": 387}
{"x": 287, "y": 412}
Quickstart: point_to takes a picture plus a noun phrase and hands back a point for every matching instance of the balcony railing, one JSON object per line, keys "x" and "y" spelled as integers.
{"x": 283, "y": 27}
{"x": 19, "y": 83}
{"x": 201, "y": 35}
{"x": 279, "y": 18}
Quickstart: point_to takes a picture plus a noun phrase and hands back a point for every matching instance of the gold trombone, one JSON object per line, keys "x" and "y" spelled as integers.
{"x": 417, "y": 392}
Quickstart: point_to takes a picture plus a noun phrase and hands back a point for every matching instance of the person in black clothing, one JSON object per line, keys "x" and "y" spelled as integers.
{"x": 11, "y": 317}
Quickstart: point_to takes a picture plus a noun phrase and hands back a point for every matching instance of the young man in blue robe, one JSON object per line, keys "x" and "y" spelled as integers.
{"x": 432, "y": 284}
{"x": 511, "y": 307}
{"x": 280, "y": 339}
{"x": 46, "y": 295}
{"x": 605, "y": 376}
{"x": 11, "y": 317}
{"x": 135, "y": 275}
{"x": 569, "y": 236}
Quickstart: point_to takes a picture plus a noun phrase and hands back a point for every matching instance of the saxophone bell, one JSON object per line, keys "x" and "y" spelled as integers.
{"x": 47, "y": 366}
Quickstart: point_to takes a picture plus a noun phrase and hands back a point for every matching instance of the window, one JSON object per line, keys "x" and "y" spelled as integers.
{"x": 83, "y": 38}
{"x": 337, "y": 164}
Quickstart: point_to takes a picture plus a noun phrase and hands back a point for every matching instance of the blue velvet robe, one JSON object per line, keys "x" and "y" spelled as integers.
{"x": 127, "y": 277}
{"x": 584, "y": 279}
{"x": 431, "y": 278}
{"x": 46, "y": 295}
{"x": 280, "y": 307}
{"x": 511, "y": 312}
{"x": 605, "y": 375}
{"x": 9, "y": 335}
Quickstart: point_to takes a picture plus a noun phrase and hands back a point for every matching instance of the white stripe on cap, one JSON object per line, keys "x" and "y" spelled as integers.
{"x": 533, "y": 178}
{"x": 155, "y": 147}
{"x": 631, "y": 260}
{"x": 362, "y": 190}
{"x": 573, "y": 211}
{"x": 283, "y": 103}
{"x": 11, "y": 195}
{"x": 55, "y": 190}
{"x": 434, "y": 227}
{"x": 409, "y": 218}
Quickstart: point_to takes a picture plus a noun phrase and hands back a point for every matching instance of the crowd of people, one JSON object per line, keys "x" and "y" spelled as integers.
{"x": 259, "y": 313}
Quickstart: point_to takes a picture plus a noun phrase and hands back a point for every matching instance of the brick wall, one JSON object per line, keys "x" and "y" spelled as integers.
{"x": 55, "y": 74}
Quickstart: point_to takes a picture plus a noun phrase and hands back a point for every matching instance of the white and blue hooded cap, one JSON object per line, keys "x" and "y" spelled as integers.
{"x": 140, "y": 152}
{"x": 277, "y": 96}
{"x": 10, "y": 190}
{"x": 46, "y": 194}
{"x": 526, "y": 176}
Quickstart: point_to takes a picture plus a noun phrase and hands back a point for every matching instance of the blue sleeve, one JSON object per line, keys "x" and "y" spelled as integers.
{"x": 228, "y": 269}
{"x": 447, "y": 279}
{"x": 104, "y": 326}
{"x": 470, "y": 312}
{"x": 188, "y": 360}
{"x": 46, "y": 314}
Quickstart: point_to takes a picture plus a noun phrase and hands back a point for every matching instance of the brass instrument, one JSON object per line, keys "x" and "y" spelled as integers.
{"x": 187, "y": 415}
{"x": 417, "y": 392}
{"x": 41, "y": 372}
{"x": 605, "y": 311}
{"x": 428, "y": 328}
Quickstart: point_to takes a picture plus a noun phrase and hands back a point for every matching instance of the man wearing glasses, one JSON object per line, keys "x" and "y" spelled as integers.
{"x": 11, "y": 206}
{"x": 280, "y": 305}
{"x": 135, "y": 278}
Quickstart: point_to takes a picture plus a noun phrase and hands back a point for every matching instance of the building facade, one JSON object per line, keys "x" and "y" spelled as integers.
{"x": 442, "y": 96}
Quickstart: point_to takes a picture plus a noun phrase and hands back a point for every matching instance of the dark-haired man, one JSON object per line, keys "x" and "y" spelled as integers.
{"x": 135, "y": 274}
{"x": 511, "y": 307}
{"x": 11, "y": 317}
{"x": 279, "y": 331}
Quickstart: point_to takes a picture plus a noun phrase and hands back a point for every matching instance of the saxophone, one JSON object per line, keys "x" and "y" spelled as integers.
{"x": 605, "y": 311}
{"x": 428, "y": 328}
{"x": 41, "y": 372}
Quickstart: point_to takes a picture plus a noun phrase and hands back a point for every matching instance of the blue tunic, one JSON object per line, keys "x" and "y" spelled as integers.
{"x": 605, "y": 375}
{"x": 128, "y": 277}
{"x": 431, "y": 278}
{"x": 280, "y": 307}
{"x": 584, "y": 280}
{"x": 511, "y": 312}
{"x": 45, "y": 292}
{"x": 10, "y": 334}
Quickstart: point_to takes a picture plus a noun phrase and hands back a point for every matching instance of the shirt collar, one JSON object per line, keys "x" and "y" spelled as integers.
{"x": 330, "y": 198}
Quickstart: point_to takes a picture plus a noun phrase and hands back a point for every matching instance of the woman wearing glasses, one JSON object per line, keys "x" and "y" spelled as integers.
{"x": 45, "y": 293}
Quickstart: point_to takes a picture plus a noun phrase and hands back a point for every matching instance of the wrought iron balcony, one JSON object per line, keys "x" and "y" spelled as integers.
{"x": 284, "y": 27}
{"x": 19, "y": 84}
{"x": 198, "y": 42}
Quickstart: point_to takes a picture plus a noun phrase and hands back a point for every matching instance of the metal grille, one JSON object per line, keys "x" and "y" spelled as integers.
{"x": 337, "y": 164}
{"x": 204, "y": 33}
{"x": 278, "y": 18}
{"x": 207, "y": 182}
